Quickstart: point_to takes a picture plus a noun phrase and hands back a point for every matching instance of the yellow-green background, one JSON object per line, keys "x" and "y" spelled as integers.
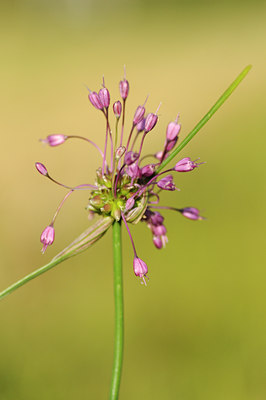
{"x": 198, "y": 330}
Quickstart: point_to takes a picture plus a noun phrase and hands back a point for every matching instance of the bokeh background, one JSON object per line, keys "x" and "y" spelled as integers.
{"x": 198, "y": 330}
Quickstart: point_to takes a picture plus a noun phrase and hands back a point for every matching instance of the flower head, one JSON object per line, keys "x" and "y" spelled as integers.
{"x": 126, "y": 187}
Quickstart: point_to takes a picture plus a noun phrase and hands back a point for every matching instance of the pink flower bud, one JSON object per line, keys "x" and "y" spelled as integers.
{"x": 171, "y": 144}
{"x": 167, "y": 183}
{"x": 95, "y": 100}
{"x": 172, "y": 130}
{"x": 133, "y": 171}
{"x": 156, "y": 218}
{"x": 159, "y": 230}
{"x": 124, "y": 88}
{"x": 117, "y": 108}
{"x": 139, "y": 115}
{"x": 47, "y": 237}
{"x": 104, "y": 97}
{"x": 191, "y": 213}
{"x": 185, "y": 165}
{"x": 120, "y": 151}
{"x": 148, "y": 170}
{"x": 131, "y": 157}
{"x": 41, "y": 168}
{"x": 130, "y": 203}
{"x": 141, "y": 125}
{"x": 54, "y": 140}
{"x": 157, "y": 242}
{"x": 150, "y": 122}
{"x": 140, "y": 268}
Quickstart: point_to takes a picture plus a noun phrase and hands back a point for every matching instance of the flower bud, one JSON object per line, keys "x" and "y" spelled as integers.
{"x": 157, "y": 242}
{"x": 47, "y": 237}
{"x": 120, "y": 151}
{"x": 159, "y": 155}
{"x": 141, "y": 125}
{"x": 117, "y": 108}
{"x": 172, "y": 131}
{"x": 54, "y": 140}
{"x": 140, "y": 268}
{"x": 148, "y": 170}
{"x": 104, "y": 97}
{"x": 41, "y": 168}
{"x": 139, "y": 115}
{"x": 150, "y": 122}
{"x": 171, "y": 144}
{"x": 167, "y": 183}
{"x": 124, "y": 88}
{"x": 130, "y": 203}
{"x": 95, "y": 100}
{"x": 131, "y": 157}
{"x": 156, "y": 218}
{"x": 191, "y": 213}
{"x": 133, "y": 171}
{"x": 159, "y": 230}
{"x": 185, "y": 165}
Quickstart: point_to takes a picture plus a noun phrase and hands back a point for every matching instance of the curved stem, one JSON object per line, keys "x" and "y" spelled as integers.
{"x": 119, "y": 312}
{"x": 206, "y": 117}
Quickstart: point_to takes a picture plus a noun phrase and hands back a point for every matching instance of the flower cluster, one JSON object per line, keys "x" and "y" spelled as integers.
{"x": 126, "y": 187}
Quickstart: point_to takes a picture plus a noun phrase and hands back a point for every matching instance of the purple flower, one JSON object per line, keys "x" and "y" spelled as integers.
{"x": 47, "y": 237}
{"x": 104, "y": 97}
{"x": 166, "y": 183}
{"x": 117, "y": 108}
{"x": 95, "y": 100}
{"x": 41, "y": 168}
{"x": 191, "y": 213}
{"x": 54, "y": 140}
{"x": 185, "y": 165}
{"x": 126, "y": 184}
{"x": 140, "y": 268}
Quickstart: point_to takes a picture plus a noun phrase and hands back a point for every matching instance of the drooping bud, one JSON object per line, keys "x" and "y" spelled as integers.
{"x": 173, "y": 130}
{"x": 185, "y": 165}
{"x": 159, "y": 230}
{"x": 191, "y": 213}
{"x": 117, "y": 108}
{"x": 140, "y": 268}
{"x": 54, "y": 140}
{"x": 47, "y": 237}
{"x": 41, "y": 168}
{"x": 95, "y": 100}
{"x": 120, "y": 151}
{"x": 157, "y": 242}
{"x": 131, "y": 157}
{"x": 133, "y": 171}
{"x": 139, "y": 115}
{"x": 124, "y": 88}
{"x": 166, "y": 183}
{"x": 156, "y": 218}
{"x": 150, "y": 122}
{"x": 148, "y": 170}
{"x": 141, "y": 125}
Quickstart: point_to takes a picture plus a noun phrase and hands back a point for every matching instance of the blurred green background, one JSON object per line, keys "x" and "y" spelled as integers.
{"x": 198, "y": 330}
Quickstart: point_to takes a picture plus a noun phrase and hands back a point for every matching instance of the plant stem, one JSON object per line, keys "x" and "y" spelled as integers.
{"x": 206, "y": 118}
{"x": 32, "y": 275}
{"x": 119, "y": 312}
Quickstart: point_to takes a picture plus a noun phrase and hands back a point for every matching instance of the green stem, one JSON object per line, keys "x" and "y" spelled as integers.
{"x": 119, "y": 312}
{"x": 32, "y": 275}
{"x": 206, "y": 118}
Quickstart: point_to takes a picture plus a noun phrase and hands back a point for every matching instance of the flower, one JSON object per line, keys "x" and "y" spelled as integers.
{"x": 126, "y": 188}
